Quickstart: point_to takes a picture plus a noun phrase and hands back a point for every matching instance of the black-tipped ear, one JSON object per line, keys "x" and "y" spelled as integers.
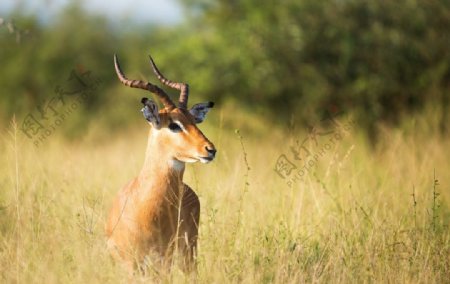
{"x": 151, "y": 112}
{"x": 200, "y": 110}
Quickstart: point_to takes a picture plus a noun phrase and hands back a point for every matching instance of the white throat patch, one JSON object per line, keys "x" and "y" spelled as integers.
{"x": 176, "y": 165}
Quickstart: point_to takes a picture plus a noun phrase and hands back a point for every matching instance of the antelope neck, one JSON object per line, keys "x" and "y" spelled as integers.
{"x": 160, "y": 172}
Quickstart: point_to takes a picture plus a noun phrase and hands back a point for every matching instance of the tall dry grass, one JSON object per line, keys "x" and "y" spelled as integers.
{"x": 360, "y": 214}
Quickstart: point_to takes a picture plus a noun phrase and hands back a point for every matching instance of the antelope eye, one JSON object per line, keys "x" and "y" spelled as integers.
{"x": 174, "y": 127}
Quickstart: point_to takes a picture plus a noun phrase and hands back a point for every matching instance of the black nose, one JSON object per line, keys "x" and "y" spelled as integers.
{"x": 211, "y": 151}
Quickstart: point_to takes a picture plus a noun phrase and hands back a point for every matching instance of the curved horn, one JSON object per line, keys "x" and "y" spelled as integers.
{"x": 167, "y": 102}
{"x": 182, "y": 87}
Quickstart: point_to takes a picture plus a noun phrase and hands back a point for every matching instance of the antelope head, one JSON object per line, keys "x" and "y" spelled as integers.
{"x": 174, "y": 129}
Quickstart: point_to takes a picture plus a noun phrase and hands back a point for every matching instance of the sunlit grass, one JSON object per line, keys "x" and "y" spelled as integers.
{"x": 351, "y": 218}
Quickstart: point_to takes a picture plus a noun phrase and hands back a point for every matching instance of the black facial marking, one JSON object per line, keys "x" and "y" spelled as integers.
{"x": 174, "y": 127}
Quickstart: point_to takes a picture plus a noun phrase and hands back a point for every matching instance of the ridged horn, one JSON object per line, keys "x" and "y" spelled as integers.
{"x": 163, "y": 97}
{"x": 182, "y": 87}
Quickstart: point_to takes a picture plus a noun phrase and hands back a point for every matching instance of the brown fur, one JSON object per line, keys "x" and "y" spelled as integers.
{"x": 157, "y": 214}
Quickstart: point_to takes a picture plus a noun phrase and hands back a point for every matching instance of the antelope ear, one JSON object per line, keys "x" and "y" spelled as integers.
{"x": 200, "y": 110}
{"x": 151, "y": 112}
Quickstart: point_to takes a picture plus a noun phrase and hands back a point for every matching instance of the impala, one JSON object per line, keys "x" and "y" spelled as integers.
{"x": 156, "y": 214}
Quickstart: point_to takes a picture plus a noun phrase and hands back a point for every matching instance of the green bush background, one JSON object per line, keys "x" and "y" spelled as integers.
{"x": 382, "y": 61}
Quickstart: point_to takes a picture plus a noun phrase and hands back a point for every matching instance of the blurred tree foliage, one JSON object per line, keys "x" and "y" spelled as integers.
{"x": 381, "y": 60}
